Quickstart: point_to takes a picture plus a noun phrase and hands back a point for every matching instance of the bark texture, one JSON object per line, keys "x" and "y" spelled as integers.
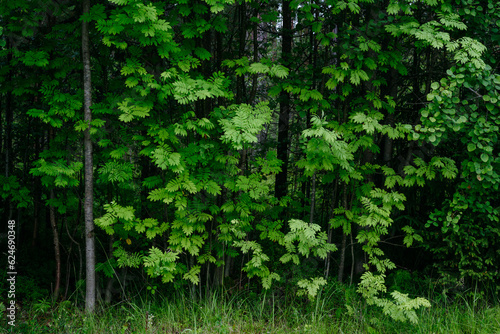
{"x": 90, "y": 293}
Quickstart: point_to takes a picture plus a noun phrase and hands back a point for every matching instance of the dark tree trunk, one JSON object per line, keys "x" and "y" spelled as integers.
{"x": 9, "y": 117}
{"x": 242, "y": 34}
{"x": 37, "y": 199}
{"x": 344, "y": 239}
{"x": 57, "y": 252}
{"x": 313, "y": 198}
{"x": 90, "y": 295}
{"x": 280, "y": 189}
{"x": 332, "y": 205}
{"x": 108, "y": 294}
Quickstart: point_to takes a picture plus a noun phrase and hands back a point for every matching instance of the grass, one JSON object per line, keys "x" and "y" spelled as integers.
{"x": 249, "y": 312}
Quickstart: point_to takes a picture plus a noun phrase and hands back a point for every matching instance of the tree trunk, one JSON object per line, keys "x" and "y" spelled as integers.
{"x": 9, "y": 119}
{"x": 57, "y": 252}
{"x": 344, "y": 237}
{"x": 108, "y": 293}
{"x": 37, "y": 199}
{"x": 280, "y": 189}
{"x": 313, "y": 198}
{"x": 329, "y": 228}
{"x": 242, "y": 34}
{"x": 90, "y": 293}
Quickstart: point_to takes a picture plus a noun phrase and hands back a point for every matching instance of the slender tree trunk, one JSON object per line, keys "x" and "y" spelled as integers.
{"x": 57, "y": 251}
{"x": 90, "y": 294}
{"x": 108, "y": 294}
{"x": 280, "y": 189}
{"x": 37, "y": 199}
{"x": 253, "y": 92}
{"x": 352, "y": 258}
{"x": 329, "y": 228}
{"x": 313, "y": 198}
{"x": 344, "y": 240}
{"x": 9, "y": 118}
{"x": 392, "y": 90}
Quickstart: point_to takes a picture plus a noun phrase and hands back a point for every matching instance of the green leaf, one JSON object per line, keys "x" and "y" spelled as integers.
{"x": 258, "y": 68}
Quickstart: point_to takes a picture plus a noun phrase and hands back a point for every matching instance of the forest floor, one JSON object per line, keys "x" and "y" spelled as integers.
{"x": 336, "y": 310}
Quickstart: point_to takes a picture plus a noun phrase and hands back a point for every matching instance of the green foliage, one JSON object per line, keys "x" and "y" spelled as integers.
{"x": 310, "y": 240}
{"x": 243, "y": 123}
{"x": 58, "y": 173}
{"x": 188, "y": 98}
{"x": 466, "y": 104}
{"x": 401, "y": 308}
{"x": 310, "y": 287}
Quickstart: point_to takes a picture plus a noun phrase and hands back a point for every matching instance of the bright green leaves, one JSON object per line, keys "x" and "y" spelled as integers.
{"x": 265, "y": 66}
{"x": 125, "y": 259}
{"x": 164, "y": 158}
{"x": 163, "y": 264}
{"x": 182, "y": 182}
{"x": 465, "y": 50}
{"x": 62, "y": 107}
{"x": 133, "y": 66}
{"x": 373, "y": 214}
{"x": 252, "y": 185}
{"x": 152, "y": 227}
{"x": 378, "y": 205}
{"x": 325, "y": 149}
{"x": 36, "y": 58}
{"x": 343, "y": 218}
{"x": 138, "y": 20}
{"x": 121, "y": 220}
{"x": 369, "y": 122}
{"x": 58, "y": 172}
{"x": 278, "y": 71}
{"x": 310, "y": 287}
{"x": 422, "y": 170}
{"x": 187, "y": 90}
{"x": 243, "y": 123}
{"x": 353, "y": 6}
{"x": 356, "y": 76}
{"x": 133, "y": 108}
{"x": 256, "y": 266}
{"x": 119, "y": 172}
{"x": 310, "y": 240}
{"x": 451, "y": 21}
{"x": 401, "y": 308}
{"x": 411, "y": 236}
{"x": 114, "y": 214}
{"x": 471, "y": 147}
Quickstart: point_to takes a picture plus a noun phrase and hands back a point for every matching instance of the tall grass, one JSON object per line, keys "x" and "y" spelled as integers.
{"x": 337, "y": 309}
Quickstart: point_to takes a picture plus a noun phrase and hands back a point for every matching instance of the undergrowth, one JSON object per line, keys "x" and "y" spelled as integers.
{"x": 337, "y": 309}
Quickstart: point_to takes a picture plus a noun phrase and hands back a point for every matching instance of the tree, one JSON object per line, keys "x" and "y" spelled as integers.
{"x": 90, "y": 296}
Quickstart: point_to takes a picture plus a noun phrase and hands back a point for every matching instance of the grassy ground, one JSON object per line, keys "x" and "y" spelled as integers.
{"x": 249, "y": 312}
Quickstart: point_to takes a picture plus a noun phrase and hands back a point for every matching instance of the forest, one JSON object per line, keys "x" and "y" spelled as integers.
{"x": 250, "y": 166}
